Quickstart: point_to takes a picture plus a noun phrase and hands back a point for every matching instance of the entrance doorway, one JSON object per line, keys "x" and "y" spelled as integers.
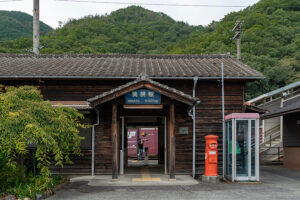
{"x": 153, "y": 156}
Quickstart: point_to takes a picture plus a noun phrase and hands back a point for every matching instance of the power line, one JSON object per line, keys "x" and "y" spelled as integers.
{"x": 5, "y": 1}
{"x": 154, "y": 4}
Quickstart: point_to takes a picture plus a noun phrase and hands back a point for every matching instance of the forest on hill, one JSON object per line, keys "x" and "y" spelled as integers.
{"x": 270, "y": 42}
{"x": 14, "y": 24}
{"x": 130, "y": 30}
{"x": 270, "y": 39}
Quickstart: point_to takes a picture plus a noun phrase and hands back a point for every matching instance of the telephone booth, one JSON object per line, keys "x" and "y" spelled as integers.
{"x": 242, "y": 147}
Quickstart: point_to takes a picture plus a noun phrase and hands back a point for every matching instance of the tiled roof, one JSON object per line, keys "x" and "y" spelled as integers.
{"x": 123, "y": 66}
{"x": 145, "y": 79}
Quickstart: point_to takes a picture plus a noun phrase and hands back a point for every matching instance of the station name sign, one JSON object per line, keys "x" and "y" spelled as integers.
{"x": 143, "y": 96}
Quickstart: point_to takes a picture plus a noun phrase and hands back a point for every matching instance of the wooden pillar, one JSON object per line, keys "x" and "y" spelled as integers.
{"x": 114, "y": 129}
{"x": 172, "y": 142}
{"x": 160, "y": 141}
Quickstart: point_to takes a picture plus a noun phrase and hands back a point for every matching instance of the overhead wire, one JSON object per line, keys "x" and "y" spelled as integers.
{"x": 6, "y": 1}
{"x": 154, "y": 4}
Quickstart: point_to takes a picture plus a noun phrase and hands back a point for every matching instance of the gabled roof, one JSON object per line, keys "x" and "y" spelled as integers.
{"x": 113, "y": 66}
{"x": 143, "y": 82}
{"x": 291, "y": 108}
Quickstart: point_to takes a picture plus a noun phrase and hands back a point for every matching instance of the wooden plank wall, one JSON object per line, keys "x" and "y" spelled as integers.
{"x": 77, "y": 91}
{"x": 103, "y": 142}
{"x": 291, "y": 136}
{"x": 208, "y": 118}
{"x": 184, "y": 143}
{"x": 209, "y": 115}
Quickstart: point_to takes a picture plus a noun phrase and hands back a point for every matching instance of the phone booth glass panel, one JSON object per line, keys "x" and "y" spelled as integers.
{"x": 242, "y": 147}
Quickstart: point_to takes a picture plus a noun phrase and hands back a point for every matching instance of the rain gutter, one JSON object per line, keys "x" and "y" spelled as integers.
{"x": 132, "y": 77}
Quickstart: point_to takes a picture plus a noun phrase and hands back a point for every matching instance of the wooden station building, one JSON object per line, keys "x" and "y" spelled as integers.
{"x": 179, "y": 94}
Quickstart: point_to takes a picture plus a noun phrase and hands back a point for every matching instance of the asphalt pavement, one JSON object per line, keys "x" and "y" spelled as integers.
{"x": 276, "y": 183}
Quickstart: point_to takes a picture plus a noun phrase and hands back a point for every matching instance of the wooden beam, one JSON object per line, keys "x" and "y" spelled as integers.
{"x": 169, "y": 94}
{"x": 140, "y": 85}
{"x": 118, "y": 94}
{"x": 127, "y": 106}
{"x": 114, "y": 129}
{"x": 172, "y": 143}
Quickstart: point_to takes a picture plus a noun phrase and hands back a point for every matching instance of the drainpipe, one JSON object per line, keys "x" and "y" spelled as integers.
{"x": 194, "y": 126}
{"x": 223, "y": 123}
{"x": 93, "y": 142}
{"x": 122, "y": 150}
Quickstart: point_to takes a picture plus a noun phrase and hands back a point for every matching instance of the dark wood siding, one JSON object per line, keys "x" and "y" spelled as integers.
{"x": 79, "y": 90}
{"x": 291, "y": 127}
{"x": 184, "y": 142}
{"x": 208, "y": 118}
{"x": 209, "y": 114}
{"x": 103, "y": 142}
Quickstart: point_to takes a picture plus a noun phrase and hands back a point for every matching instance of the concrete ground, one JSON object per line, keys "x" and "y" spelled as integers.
{"x": 276, "y": 183}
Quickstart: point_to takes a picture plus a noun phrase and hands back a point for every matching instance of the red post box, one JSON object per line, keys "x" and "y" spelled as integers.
{"x": 211, "y": 155}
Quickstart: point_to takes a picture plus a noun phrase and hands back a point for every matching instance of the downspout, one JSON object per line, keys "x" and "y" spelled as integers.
{"x": 193, "y": 116}
{"x": 223, "y": 123}
{"x": 93, "y": 141}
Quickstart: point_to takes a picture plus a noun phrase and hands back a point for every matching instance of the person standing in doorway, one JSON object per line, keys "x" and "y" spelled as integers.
{"x": 141, "y": 149}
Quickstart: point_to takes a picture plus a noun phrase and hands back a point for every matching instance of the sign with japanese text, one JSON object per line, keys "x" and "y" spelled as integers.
{"x": 143, "y": 96}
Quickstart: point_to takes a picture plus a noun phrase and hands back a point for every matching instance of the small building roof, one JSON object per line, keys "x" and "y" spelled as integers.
{"x": 114, "y": 66}
{"x": 242, "y": 116}
{"x": 79, "y": 105}
{"x": 248, "y": 108}
{"x": 143, "y": 82}
{"x": 291, "y": 108}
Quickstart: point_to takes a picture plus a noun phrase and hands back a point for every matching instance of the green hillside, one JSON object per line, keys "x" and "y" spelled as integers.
{"x": 15, "y": 24}
{"x": 270, "y": 42}
{"x": 130, "y": 30}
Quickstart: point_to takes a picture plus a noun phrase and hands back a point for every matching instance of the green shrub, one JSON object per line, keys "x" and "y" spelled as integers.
{"x": 32, "y": 185}
{"x": 26, "y": 119}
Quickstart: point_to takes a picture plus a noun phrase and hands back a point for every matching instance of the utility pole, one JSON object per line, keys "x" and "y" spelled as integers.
{"x": 36, "y": 27}
{"x": 237, "y": 36}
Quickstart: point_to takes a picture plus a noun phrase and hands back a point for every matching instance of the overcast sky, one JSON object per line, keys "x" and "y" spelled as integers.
{"x": 52, "y": 11}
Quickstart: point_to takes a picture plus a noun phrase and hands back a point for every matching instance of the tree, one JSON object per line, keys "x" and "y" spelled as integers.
{"x": 26, "y": 119}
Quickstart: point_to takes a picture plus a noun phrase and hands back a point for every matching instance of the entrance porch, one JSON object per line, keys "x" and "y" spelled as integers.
{"x": 114, "y": 110}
